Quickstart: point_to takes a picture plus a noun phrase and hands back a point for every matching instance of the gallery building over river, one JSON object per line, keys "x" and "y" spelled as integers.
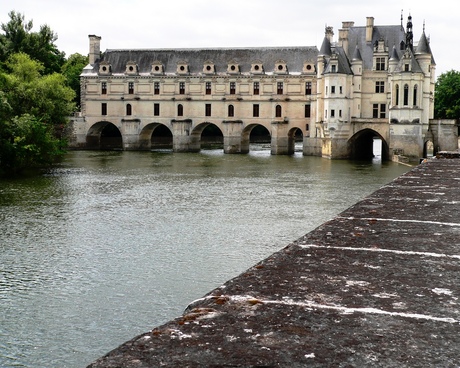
{"x": 372, "y": 82}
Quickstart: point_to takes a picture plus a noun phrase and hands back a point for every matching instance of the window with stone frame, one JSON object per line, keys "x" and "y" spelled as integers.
{"x": 129, "y": 110}
{"x": 180, "y": 110}
{"x": 278, "y": 111}
{"x": 380, "y": 63}
{"x": 104, "y": 108}
{"x": 231, "y": 111}
{"x": 207, "y": 110}
{"x": 182, "y": 88}
{"x": 208, "y": 88}
{"x": 307, "y": 110}
{"x": 104, "y": 88}
{"x": 256, "y": 88}
{"x": 156, "y": 109}
{"x": 279, "y": 88}
{"x": 232, "y": 88}
{"x": 130, "y": 88}
{"x": 380, "y": 87}
{"x": 308, "y": 88}
{"x": 156, "y": 88}
{"x": 255, "y": 110}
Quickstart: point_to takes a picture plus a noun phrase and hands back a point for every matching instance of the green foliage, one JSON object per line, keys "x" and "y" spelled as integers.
{"x": 33, "y": 107}
{"x": 19, "y": 38}
{"x": 447, "y": 96}
{"x": 72, "y": 69}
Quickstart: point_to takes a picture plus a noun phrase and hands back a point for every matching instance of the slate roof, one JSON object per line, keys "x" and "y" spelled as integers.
{"x": 294, "y": 57}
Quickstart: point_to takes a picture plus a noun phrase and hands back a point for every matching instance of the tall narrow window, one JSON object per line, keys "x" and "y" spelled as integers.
{"x": 232, "y": 88}
{"x": 104, "y": 88}
{"x": 255, "y": 110}
{"x": 231, "y": 111}
{"x": 180, "y": 110}
{"x": 415, "y": 96}
{"x": 207, "y": 109}
{"x": 129, "y": 109}
{"x": 279, "y": 89}
{"x": 308, "y": 111}
{"x": 406, "y": 95}
{"x": 383, "y": 110}
{"x": 308, "y": 88}
{"x": 256, "y": 88}
{"x": 130, "y": 88}
{"x": 208, "y": 88}
{"x": 156, "y": 109}
{"x": 104, "y": 108}
{"x": 379, "y": 87}
{"x": 333, "y": 89}
{"x": 375, "y": 111}
{"x": 332, "y": 113}
{"x": 182, "y": 88}
{"x": 396, "y": 101}
{"x": 156, "y": 88}
{"x": 278, "y": 111}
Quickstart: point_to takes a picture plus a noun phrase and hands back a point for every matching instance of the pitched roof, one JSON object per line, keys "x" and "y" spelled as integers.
{"x": 294, "y": 57}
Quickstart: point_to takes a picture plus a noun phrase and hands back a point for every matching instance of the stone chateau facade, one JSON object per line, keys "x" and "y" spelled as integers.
{"x": 373, "y": 81}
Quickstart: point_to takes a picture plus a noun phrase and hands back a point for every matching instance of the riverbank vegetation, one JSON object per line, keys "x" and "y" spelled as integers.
{"x": 39, "y": 90}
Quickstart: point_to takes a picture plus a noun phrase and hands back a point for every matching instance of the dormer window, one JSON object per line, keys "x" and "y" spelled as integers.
{"x": 131, "y": 68}
{"x": 105, "y": 68}
{"x": 333, "y": 68}
{"x": 233, "y": 67}
{"x": 182, "y": 67}
{"x": 281, "y": 67}
{"x": 257, "y": 67}
{"x": 209, "y": 68}
{"x": 380, "y": 63}
{"x": 157, "y": 68}
{"x": 308, "y": 67}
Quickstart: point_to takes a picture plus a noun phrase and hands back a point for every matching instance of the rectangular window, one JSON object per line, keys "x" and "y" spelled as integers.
{"x": 104, "y": 108}
{"x": 207, "y": 110}
{"x": 232, "y": 88}
{"x": 307, "y": 111}
{"x": 332, "y": 113}
{"x": 130, "y": 88}
{"x": 156, "y": 88}
{"x": 256, "y": 88}
{"x": 255, "y": 110}
{"x": 308, "y": 88}
{"x": 375, "y": 111}
{"x": 379, "y": 87}
{"x": 279, "y": 89}
{"x": 332, "y": 89}
{"x": 182, "y": 88}
{"x": 340, "y": 88}
{"x": 156, "y": 109}
{"x": 380, "y": 63}
{"x": 208, "y": 88}
{"x": 104, "y": 88}
{"x": 383, "y": 109}
{"x": 340, "y": 113}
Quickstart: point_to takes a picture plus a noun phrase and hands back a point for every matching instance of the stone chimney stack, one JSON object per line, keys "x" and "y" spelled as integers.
{"x": 369, "y": 28}
{"x": 343, "y": 35}
{"x": 94, "y": 48}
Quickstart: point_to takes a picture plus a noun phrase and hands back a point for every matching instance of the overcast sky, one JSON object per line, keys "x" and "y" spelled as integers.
{"x": 235, "y": 23}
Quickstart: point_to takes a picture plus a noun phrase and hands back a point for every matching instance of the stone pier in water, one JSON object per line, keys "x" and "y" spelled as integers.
{"x": 377, "y": 286}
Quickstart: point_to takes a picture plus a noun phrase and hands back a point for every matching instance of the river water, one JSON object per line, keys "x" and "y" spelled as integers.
{"x": 108, "y": 245}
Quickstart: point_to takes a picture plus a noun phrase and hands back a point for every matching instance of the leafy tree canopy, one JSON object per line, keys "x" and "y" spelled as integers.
{"x": 447, "y": 96}
{"x": 72, "y": 69}
{"x": 18, "y": 37}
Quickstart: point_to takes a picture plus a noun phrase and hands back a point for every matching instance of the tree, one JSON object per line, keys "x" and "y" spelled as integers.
{"x": 447, "y": 96}
{"x": 72, "y": 69}
{"x": 33, "y": 107}
{"x": 40, "y": 46}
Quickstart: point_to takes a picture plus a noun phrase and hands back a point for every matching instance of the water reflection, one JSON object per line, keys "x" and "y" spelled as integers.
{"x": 111, "y": 244}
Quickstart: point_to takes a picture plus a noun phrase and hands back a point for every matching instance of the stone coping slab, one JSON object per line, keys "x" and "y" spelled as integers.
{"x": 378, "y": 286}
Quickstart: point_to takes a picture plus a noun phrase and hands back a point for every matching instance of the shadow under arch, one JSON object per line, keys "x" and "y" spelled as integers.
{"x": 254, "y": 133}
{"x": 295, "y": 134}
{"x": 155, "y": 136}
{"x": 104, "y": 135}
{"x": 206, "y": 135}
{"x": 361, "y": 145}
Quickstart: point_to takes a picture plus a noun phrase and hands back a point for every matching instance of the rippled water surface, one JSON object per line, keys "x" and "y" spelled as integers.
{"x": 111, "y": 244}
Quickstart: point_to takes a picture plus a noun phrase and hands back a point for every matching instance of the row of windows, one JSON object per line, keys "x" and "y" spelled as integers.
{"x": 232, "y": 88}
{"x": 405, "y": 101}
{"x": 208, "y": 110}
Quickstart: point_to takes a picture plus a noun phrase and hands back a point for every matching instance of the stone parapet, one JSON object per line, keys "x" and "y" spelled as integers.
{"x": 377, "y": 286}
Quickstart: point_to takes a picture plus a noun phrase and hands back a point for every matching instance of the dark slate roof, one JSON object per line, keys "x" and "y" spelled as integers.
{"x": 325, "y": 49}
{"x": 393, "y": 36}
{"x": 294, "y": 57}
{"x": 357, "y": 55}
{"x": 343, "y": 65}
{"x": 423, "y": 47}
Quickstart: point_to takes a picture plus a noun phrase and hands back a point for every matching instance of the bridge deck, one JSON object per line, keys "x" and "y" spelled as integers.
{"x": 376, "y": 286}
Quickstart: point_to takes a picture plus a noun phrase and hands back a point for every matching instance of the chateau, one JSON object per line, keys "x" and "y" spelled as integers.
{"x": 373, "y": 82}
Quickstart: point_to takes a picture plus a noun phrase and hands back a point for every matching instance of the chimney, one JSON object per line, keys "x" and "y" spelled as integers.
{"x": 94, "y": 48}
{"x": 369, "y": 28}
{"x": 343, "y": 35}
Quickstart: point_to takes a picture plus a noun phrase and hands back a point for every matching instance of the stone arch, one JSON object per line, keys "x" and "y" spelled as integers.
{"x": 208, "y": 134}
{"x": 254, "y": 133}
{"x": 155, "y": 135}
{"x": 361, "y": 145}
{"x": 104, "y": 135}
{"x": 295, "y": 134}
